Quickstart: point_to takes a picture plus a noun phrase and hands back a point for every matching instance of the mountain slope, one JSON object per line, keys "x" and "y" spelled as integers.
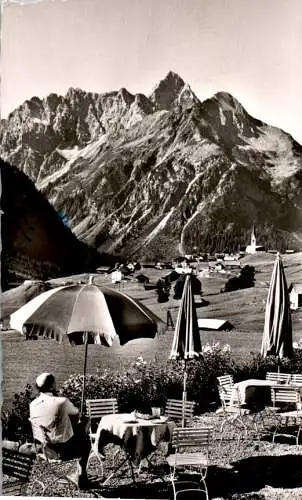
{"x": 35, "y": 242}
{"x": 155, "y": 176}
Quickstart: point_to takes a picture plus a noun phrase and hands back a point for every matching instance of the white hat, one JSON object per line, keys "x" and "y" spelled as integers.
{"x": 41, "y": 379}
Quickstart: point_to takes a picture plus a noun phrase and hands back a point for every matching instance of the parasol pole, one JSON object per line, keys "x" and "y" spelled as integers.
{"x": 184, "y": 394}
{"x": 84, "y": 374}
{"x": 278, "y": 365}
{"x": 187, "y": 289}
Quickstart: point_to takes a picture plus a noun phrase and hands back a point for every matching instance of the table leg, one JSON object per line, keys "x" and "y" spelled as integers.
{"x": 128, "y": 458}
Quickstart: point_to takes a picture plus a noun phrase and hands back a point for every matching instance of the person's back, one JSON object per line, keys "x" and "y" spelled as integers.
{"x": 53, "y": 413}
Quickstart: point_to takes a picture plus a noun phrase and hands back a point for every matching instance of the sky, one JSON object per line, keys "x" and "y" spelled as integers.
{"x": 249, "y": 48}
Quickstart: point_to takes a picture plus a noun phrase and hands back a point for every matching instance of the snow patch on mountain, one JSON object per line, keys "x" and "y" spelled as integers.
{"x": 160, "y": 226}
{"x": 222, "y": 117}
{"x": 55, "y": 176}
{"x": 69, "y": 154}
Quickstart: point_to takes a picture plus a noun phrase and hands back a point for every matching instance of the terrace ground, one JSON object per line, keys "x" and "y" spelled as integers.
{"x": 264, "y": 472}
{"x": 253, "y": 470}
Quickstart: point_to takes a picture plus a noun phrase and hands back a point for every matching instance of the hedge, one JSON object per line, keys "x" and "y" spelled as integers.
{"x": 147, "y": 384}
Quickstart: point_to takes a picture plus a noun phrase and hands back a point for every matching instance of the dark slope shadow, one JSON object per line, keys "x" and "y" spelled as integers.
{"x": 153, "y": 490}
{"x": 246, "y": 476}
{"x": 254, "y": 473}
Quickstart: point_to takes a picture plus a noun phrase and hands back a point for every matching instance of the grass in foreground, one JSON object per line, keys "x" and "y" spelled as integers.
{"x": 253, "y": 470}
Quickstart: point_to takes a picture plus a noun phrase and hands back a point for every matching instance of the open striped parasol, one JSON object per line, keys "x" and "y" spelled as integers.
{"x": 85, "y": 314}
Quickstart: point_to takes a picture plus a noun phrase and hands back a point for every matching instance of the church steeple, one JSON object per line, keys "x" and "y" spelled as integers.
{"x": 253, "y": 247}
{"x": 253, "y": 238}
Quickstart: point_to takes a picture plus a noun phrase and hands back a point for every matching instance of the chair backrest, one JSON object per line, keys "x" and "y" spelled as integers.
{"x": 225, "y": 380}
{"x": 97, "y": 408}
{"x": 278, "y": 377}
{"x": 285, "y": 395}
{"x": 225, "y": 394}
{"x": 225, "y": 388}
{"x": 191, "y": 437}
{"x": 19, "y": 466}
{"x": 174, "y": 409}
{"x": 296, "y": 379}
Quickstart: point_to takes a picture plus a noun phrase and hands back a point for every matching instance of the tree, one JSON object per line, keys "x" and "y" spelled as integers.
{"x": 163, "y": 291}
{"x": 246, "y": 279}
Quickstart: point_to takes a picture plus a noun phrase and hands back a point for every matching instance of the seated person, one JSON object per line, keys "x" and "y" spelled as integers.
{"x": 66, "y": 436}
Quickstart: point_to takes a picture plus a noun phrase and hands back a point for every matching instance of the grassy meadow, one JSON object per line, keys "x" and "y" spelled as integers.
{"x": 23, "y": 360}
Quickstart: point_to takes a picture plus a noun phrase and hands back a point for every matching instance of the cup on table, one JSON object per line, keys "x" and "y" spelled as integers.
{"x": 155, "y": 411}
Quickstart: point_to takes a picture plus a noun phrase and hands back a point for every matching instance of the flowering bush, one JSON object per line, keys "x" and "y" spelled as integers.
{"x": 146, "y": 384}
{"x": 142, "y": 386}
{"x": 297, "y": 345}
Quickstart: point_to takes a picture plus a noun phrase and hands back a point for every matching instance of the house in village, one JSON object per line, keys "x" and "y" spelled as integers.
{"x": 214, "y": 324}
{"x": 295, "y": 295}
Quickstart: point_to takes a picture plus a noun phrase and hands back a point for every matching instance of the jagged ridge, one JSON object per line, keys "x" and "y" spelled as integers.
{"x": 162, "y": 174}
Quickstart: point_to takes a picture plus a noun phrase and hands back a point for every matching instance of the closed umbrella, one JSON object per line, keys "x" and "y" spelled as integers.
{"x": 85, "y": 314}
{"x": 186, "y": 341}
{"x": 277, "y": 335}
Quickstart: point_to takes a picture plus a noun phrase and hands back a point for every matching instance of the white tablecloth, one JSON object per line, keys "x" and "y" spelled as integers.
{"x": 138, "y": 437}
{"x": 240, "y": 389}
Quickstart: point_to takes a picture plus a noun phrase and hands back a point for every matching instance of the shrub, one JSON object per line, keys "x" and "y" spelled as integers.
{"x": 145, "y": 385}
{"x": 162, "y": 290}
{"x": 15, "y": 421}
{"x": 150, "y": 384}
{"x": 246, "y": 279}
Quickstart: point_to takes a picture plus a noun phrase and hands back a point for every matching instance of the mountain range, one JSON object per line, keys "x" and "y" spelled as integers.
{"x": 160, "y": 175}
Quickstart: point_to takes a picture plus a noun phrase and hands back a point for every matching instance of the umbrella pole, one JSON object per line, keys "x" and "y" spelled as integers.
{"x": 184, "y": 395}
{"x": 84, "y": 374}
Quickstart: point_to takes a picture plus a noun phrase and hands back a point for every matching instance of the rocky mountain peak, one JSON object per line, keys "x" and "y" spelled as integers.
{"x": 125, "y": 96}
{"x": 51, "y": 102}
{"x": 167, "y": 91}
{"x": 229, "y": 103}
{"x": 186, "y": 97}
{"x": 162, "y": 172}
{"x": 144, "y": 103}
{"x": 74, "y": 93}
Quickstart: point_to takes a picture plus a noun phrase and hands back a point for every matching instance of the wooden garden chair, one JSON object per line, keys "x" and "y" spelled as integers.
{"x": 296, "y": 379}
{"x": 18, "y": 467}
{"x": 185, "y": 442}
{"x": 174, "y": 409}
{"x": 96, "y": 409}
{"x": 287, "y": 395}
{"x": 226, "y": 387}
{"x": 234, "y": 413}
{"x": 284, "y": 378}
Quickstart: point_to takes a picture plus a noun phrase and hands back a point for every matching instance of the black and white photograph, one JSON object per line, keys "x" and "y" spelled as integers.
{"x": 151, "y": 249}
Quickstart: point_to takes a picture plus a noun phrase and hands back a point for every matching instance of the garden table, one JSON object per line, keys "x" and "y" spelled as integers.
{"x": 253, "y": 392}
{"x": 137, "y": 436}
